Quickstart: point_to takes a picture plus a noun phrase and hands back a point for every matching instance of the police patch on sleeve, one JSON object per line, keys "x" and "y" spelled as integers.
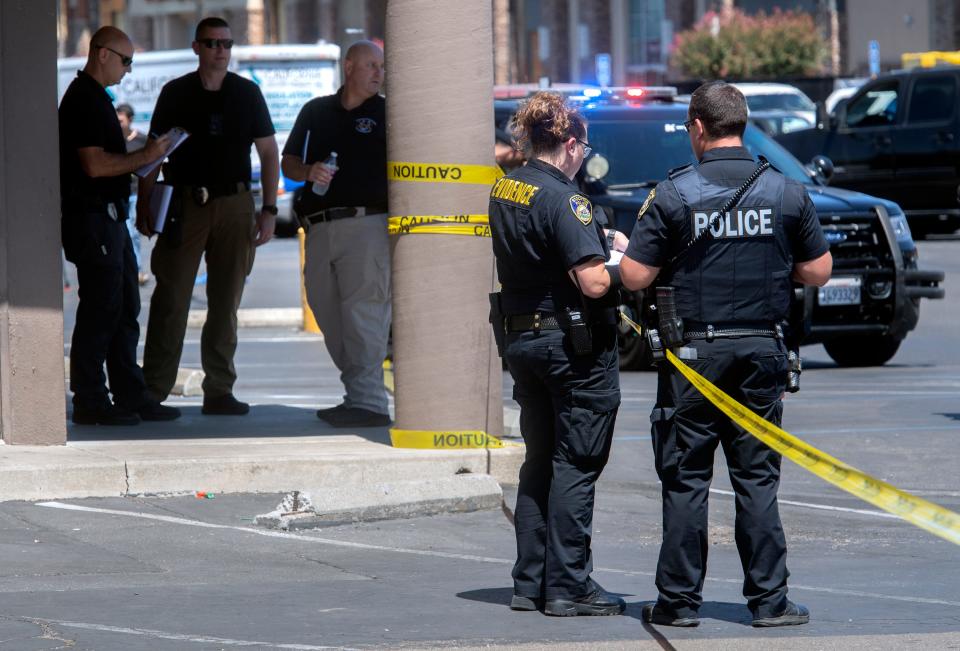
{"x": 581, "y": 208}
{"x": 647, "y": 202}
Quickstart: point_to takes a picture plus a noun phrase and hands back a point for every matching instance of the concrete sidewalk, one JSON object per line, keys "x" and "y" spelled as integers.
{"x": 346, "y": 472}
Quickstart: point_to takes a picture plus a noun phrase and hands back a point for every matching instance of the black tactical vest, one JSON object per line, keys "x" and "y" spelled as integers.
{"x": 742, "y": 273}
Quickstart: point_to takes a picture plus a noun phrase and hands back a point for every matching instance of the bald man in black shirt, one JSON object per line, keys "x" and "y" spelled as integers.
{"x": 95, "y": 187}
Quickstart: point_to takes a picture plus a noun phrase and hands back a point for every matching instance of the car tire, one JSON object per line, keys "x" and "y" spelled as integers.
{"x": 862, "y": 350}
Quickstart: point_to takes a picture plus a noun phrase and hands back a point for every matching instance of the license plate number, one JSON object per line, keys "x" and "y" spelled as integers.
{"x": 840, "y": 291}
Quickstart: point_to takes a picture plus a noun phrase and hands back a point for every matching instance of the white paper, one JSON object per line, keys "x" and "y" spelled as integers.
{"x": 159, "y": 204}
{"x": 615, "y": 258}
{"x": 177, "y": 136}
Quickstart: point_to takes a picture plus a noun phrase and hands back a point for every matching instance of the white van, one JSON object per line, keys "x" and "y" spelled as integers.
{"x": 288, "y": 75}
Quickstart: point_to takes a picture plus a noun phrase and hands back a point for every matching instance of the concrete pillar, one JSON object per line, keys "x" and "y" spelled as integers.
{"x": 447, "y": 373}
{"x": 501, "y": 41}
{"x": 31, "y": 276}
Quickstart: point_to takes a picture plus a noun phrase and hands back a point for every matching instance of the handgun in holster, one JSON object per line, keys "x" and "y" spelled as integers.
{"x": 794, "y": 331}
{"x": 664, "y": 328}
{"x": 498, "y": 321}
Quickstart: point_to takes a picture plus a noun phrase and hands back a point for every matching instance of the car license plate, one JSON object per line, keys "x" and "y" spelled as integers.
{"x": 844, "y": 290}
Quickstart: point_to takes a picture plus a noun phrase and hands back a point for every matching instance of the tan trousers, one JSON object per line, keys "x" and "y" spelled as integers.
{"x": 347, "y": 278}
{"x": 223, "y": 232}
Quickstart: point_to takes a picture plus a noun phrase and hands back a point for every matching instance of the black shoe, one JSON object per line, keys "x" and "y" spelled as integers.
{"x": 224, "y": 406}
{"x": 596, "y": 602}
{"x": 323, "y": 413}
{"x": 794, "y": 615}
{"x": 660, "y": 617}
{"x": 356, "y": 417}
{"x": 106, "y": 415}
{"x": 525, "y": 603}
{"x": 154, "y": 411}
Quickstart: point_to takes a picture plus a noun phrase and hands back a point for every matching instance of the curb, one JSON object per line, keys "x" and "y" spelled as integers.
{"x": 353, "y": 467}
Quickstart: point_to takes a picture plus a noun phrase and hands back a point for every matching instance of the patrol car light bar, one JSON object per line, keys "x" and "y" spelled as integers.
{"x": 581, "y": 92}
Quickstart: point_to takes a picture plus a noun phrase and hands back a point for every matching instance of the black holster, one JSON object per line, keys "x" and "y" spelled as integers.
{"x": 498, "y": 322}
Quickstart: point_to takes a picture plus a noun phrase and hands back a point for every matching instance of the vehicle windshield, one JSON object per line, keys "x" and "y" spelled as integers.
{"x": 781, "y": 101}
{"x": 642, "y": 152}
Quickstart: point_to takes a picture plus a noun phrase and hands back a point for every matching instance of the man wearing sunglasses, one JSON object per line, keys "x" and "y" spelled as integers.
{"x": 95, "y": 172}
{"x": 215, "y": 216}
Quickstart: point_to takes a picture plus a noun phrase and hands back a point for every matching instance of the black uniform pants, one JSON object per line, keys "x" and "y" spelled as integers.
{"x": 106, "y": 328}
{"x": 686, "y": 430}
{"x": 568, "y": 406}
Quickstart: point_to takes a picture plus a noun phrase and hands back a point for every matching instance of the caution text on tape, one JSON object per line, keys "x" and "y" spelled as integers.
{"x": 475, "y": 225}
{"x": 445, "y": 440}
{"x": 443, "y": 172}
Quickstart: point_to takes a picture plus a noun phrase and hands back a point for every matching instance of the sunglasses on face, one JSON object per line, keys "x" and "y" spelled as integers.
{"x": 586, "y": 148}
{"x": 688, "y": 124}
{"x": 124, "y": 59}
{"x": 213, "y": 43}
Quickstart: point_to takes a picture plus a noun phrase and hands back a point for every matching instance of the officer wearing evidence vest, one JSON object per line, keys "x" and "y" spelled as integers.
{"x": 732, "y": 288}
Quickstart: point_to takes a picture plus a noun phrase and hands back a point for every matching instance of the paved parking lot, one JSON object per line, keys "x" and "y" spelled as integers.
{"x": 183, "y": 573}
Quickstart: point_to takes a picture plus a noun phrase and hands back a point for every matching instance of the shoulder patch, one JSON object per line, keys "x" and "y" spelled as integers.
{"x": 581, "y": 208}
{"x": 647, "y": 202}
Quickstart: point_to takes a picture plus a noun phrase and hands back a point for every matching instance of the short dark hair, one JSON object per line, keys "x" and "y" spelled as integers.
{"x": 721, "y": 108}
{"x": 127, "y": 110}
{"x": 209, "y": 21}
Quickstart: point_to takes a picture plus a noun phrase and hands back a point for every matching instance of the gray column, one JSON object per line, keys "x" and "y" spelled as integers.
{"x": 31, "y": 278}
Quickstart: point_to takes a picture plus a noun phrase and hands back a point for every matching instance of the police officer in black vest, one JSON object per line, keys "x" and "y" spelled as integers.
{"x": 732, "y": 288}
{"x": 559, "y": 340}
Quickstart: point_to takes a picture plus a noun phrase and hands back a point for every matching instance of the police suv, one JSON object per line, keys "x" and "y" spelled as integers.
{"x": 873, "y": 299}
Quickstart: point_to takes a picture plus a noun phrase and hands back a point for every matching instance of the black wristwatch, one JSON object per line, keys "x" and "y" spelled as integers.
{"x": 270, "y": 209}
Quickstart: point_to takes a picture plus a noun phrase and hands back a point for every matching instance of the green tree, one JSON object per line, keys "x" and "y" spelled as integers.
{"x": 735, "y": 46}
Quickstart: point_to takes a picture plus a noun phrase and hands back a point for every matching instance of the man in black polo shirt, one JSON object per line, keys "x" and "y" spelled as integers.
{"x": 224, "y": 114}
{"x": 94, "y": 188}
{"x": 347, "y": 268}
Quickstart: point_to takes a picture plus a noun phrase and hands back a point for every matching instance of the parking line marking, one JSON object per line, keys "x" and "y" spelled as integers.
{"x": 161, "y": 635}
{"x": 820, "y": 507}
{"x": 439, "y": 554}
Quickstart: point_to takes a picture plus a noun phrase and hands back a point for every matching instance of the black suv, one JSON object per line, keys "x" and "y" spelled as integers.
{"x": 898, "y": 137}
{"x": 873, "y": 299}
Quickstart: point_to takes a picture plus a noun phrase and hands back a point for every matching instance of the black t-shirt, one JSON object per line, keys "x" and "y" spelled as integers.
{"x": 656, "y": 236}
{"x": 360, "y": 139}
{"x": 222, "y": 125}
{"x": 542, "y": 227}
{"x": 88, "y": 119}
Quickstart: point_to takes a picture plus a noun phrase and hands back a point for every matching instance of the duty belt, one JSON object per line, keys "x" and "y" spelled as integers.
{"x": 331, "y": 214}
{"x": 204, "y": 194}
{"x": 709, "y": 333}
{"x": 535, "y": 322}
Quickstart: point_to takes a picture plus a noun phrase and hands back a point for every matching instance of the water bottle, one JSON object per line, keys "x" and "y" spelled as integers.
{"x": 320, "y": 189}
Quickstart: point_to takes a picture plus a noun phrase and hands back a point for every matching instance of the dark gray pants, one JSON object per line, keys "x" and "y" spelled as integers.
{"x": 568, "y": 407}
{"x": 686, "y": 432}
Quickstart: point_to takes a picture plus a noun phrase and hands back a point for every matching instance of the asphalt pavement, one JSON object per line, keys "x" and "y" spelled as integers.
{"x": 187, "y": 573}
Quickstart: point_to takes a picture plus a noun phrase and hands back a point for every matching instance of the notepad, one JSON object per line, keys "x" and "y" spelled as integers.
{"x": 159, "y": 204}
{"x": 177, "y": 136}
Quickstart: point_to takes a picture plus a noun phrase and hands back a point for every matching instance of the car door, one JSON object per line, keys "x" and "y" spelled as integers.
{"x": 926, "y": 146}
{"x": 862, "y": 148}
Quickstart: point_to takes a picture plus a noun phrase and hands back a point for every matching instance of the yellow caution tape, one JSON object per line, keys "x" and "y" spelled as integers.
{"x": 924, "y": 514}
{"x": 388, "y": 375}
{"x": 476, "y": 225}
{"x": 443, "y": 173}
{"x": 444, "y": 440}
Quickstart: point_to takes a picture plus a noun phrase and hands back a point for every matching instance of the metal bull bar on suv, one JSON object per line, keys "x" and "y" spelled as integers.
{"x": 913, "y": 283}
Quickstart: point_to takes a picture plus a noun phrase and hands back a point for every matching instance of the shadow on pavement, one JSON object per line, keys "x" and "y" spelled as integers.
{"x": 263, "y": 421}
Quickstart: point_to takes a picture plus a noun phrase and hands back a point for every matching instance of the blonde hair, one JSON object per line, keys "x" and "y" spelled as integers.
{"x": 544, "y": 122}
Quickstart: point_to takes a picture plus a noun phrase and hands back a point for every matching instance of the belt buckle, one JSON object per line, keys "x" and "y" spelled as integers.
{"x": 201, "y": 195}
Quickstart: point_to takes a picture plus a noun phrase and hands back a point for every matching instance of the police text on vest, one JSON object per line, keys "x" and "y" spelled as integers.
{"x": 742, "y": 222}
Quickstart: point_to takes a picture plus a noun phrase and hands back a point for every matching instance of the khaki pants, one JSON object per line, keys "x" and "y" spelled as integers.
{"x": 223, "y": 232}
{"x": 347, "y": 278}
